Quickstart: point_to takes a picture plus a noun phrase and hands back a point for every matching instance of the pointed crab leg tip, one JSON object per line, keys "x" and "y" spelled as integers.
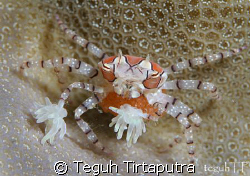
{"x": 120, "y": 52}
{"x": 148, "y": 57}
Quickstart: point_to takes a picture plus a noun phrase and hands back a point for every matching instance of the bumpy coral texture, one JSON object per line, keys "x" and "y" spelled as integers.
{"x": 170, "y": 31}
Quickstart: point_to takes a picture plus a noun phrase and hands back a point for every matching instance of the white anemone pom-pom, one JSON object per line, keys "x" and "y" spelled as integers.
{"x": 52, "y": 115}
{"x": 129, "y": 118}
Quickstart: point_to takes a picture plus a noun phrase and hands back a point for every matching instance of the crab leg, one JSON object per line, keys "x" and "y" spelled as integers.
{"x": 185, "y": 110}
{"x": 165, "y": 100}
{"x": 174, "y": 112}
{"x": 74, "y": 65}
{"x": 80, "y": 85}
{"x": 192, "y": 84}
{"x": 81, "y": 41}
{"x": 178, "y": 110}
{"x": 202, "y": 60}
{"x": 86, "y": 105}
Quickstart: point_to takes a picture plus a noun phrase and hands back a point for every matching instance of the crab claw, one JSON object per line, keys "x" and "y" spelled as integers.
{"x": 52, "y": 115}
{"x": 131, "y": 119}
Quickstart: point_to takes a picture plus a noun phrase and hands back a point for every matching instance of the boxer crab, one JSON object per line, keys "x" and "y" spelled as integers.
{"x": 129, "y": 87}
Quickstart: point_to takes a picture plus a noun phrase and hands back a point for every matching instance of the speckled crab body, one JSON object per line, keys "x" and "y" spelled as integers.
{"x": 129, "y": 87}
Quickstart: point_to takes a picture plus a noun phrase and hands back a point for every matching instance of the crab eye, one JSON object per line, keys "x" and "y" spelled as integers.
{"x": 107, "y": 72}
{"x": 151, "y": 83}
{"x": 152, "y": 80}
{"x": 106, "y": 67}
{"x": 155, "y": 74}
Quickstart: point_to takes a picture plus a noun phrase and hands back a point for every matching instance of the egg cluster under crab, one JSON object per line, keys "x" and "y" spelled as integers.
{"x": 129, "y": 87}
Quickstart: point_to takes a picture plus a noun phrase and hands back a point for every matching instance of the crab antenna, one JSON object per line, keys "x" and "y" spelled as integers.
{"x": 148, "y": 57}
{"x": 120, "y": 53}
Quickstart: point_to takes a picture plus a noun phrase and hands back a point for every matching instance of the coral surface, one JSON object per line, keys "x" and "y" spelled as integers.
{"x": 167, "y": 30}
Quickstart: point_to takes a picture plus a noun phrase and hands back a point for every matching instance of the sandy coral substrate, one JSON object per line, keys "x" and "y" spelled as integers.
{"x": 169, "y": 31}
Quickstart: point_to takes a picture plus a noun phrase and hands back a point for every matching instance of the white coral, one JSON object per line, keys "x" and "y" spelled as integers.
{"x": 52, "y": 115}
{"x": 129, "y": 118}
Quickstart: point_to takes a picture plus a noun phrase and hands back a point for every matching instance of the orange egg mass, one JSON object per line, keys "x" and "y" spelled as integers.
{"x": 115, "y": 100}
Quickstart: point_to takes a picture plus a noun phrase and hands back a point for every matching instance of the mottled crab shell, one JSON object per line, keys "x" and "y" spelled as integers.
{"x": 151, "y": 82}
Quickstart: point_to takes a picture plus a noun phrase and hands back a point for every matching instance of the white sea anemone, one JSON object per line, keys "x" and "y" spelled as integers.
{"x": 52, "y": 115}
{"x": 129, "y": 118}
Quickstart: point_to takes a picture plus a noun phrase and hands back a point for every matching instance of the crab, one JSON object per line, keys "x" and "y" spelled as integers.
{"x": 132, "y": 88}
